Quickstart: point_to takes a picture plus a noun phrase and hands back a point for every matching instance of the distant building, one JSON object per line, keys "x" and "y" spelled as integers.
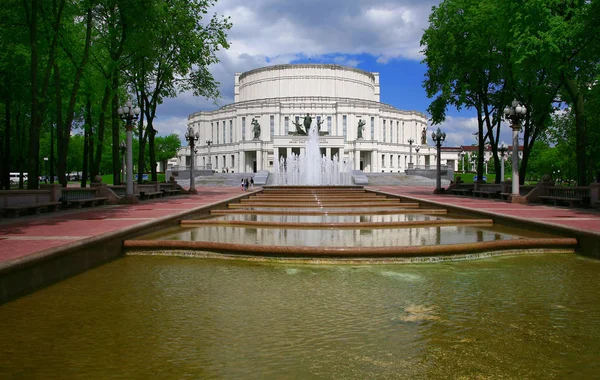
{"x": 335, "y": 97}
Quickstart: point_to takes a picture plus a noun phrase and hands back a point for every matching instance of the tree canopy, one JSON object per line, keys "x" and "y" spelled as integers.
{"x": 67, "y": 66}
{"x": 482, "y": 54}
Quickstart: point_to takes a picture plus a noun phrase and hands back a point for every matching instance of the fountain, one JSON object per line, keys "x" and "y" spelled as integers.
{"x": 310, "y": 168}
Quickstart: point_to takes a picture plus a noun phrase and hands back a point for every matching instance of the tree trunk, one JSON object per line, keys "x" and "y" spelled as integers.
{"x": 95, "y": 168}
{"x": 142, "y": 147}
{"x": 152, "y": 153}
{"x": 116, "y": 152}
{"x": 6, "y": 154}
{"x": 62, "y": 178}
{"x": 64, "y": 132}
{"x": 22, "y": 146}
{"x": 52, "y": 173}
{"x": 580, "y": 144}
{"x": 34, "y": 137}
{"x": 87, "y": 141}
{"x": 481, "y": 143}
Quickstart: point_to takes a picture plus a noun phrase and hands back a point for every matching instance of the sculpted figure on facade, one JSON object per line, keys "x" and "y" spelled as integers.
{"x": 299, "y": 129}
{"x": 319, "y": 123}
{"x": 255, "y": 128}
{"x": 424, "y": 136}
{"x": 361, "y": 127}
{"x": 307, "y": 123}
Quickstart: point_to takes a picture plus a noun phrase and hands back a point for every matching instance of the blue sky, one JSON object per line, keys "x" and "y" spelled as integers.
{"x": 373, "y": 35}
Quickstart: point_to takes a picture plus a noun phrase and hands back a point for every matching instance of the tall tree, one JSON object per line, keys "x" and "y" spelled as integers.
{"x": 178, "y": 48}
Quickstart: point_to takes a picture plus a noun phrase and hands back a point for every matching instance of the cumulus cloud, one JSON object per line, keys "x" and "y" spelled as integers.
{"x": 271, "y": 32}
{"x": 460, "y": 131}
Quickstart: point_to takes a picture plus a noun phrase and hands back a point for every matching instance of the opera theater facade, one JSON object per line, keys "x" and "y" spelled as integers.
{"x": 272, "y": 105}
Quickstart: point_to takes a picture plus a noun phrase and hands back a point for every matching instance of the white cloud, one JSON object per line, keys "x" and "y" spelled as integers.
{"x": 460, "y": 131}
{"x": 271, "y": 32}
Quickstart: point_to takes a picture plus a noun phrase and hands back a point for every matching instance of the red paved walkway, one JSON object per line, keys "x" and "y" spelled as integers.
{"x": 579, "y": 218}
{"x": 28, "y": 235}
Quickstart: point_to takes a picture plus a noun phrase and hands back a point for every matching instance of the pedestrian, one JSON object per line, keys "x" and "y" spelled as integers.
{"x": 252, "y": 183}
{"x": 246, "y": 184}
{"x": 242, "y": 184}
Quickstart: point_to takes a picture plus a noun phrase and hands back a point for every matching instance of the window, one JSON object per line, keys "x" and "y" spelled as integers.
{"x": 372, "y": 128}
{"x": 217, "y": 134}
{"x": 344, "y": 125}
{"x": 329, "y": 124}
{"x": 384, "y": 131}
{"x": 398, "y": 134}
{"x": 287, "y": 124}
{"x": 318, "y": 120}
{"x": 230, "y": 131}
{"x": 224, "y": 132}
{"x": 243, "y": 128}
{"x": 272, "y": 126}
{"x": 232, "y": 161}
{"x": 383, "y": 160}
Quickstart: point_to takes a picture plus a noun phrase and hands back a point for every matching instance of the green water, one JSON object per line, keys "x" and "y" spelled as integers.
{"x": 171, "y": 318}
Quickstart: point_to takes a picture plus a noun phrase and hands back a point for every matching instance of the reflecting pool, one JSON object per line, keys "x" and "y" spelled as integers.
{"x": 529, "y": 316}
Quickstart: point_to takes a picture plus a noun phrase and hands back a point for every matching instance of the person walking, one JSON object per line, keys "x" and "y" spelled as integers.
{"x": 252, "y": 183}
{"x": 242, "y": 184}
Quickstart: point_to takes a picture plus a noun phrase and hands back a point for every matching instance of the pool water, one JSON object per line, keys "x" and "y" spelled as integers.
{"x": 527, "y": 316}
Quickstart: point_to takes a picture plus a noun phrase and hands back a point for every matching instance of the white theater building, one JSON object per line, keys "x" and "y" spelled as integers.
{"x": 334, "y": 96}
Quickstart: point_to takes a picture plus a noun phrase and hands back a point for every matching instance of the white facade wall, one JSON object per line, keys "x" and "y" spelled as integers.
{"x": 340, "y": 94}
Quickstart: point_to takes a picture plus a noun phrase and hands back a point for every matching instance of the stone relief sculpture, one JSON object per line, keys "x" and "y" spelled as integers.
{"x": 255, "y": 129}
{"x": 361, "y": 127}
{"x": 424, "y": 136}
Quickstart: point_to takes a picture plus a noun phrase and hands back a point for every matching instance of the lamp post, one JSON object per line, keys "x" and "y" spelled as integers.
{"x": 438, "y": 138}
{"x": 123, "y": 148}
{"x": 515, "y": 113}
{"x": 209, "y": 163}
{"x": 192, "y": 137}
{"x": 410, "y": 163}
{"x": 503, "y": 148}
{"x": 417, "y": 148}
{"x": 128, "y": 113}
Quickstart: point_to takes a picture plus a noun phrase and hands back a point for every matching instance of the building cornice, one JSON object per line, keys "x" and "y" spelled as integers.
{"x": 280, "y": 102}
{"x": 306, "y": 66}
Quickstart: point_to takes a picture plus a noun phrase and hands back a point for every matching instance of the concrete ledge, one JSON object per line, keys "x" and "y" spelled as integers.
{"x": 398, "y": 210}
{"x": 363, "y": 252}
{"x": 339, "y": 225}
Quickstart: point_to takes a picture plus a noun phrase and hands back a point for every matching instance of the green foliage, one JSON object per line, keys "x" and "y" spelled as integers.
{"x": 482, "y": 54}
{"x": 155, "y": 47}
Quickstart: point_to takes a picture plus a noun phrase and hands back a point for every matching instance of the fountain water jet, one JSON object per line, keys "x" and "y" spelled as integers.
{"x": 310, "y": 168}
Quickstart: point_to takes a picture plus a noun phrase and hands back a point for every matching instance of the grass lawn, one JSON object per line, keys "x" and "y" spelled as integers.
{"x": 108, "y": 178}
{"x": 468, "y": 177}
